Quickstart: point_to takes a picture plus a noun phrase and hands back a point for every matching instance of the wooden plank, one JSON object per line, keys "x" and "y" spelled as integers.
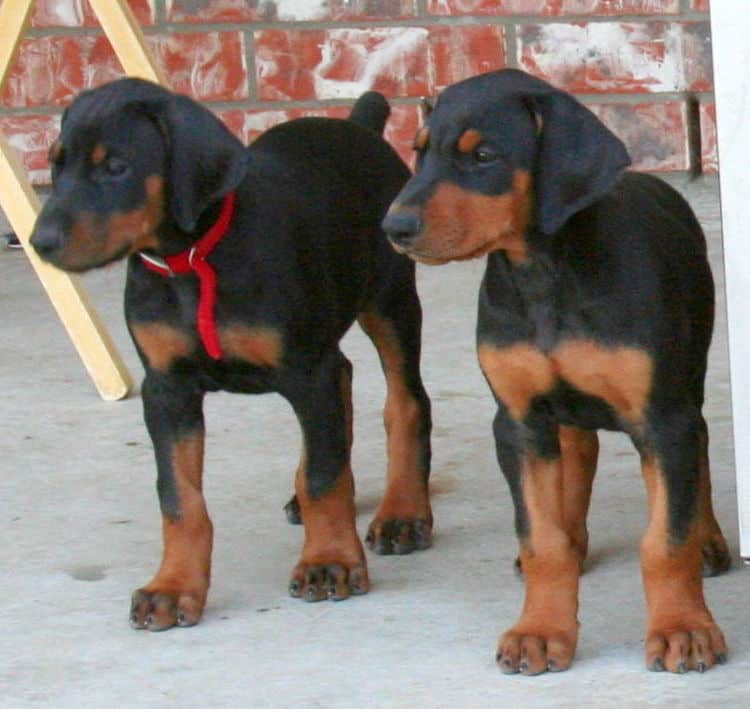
{"x": 21, "y": 205}
{"x": 122, "y": 29}
{"x": 15, "y": 16}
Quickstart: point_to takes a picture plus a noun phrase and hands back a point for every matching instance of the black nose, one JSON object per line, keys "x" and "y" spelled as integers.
{"x": 46, "y": 239}
{"x": 402, "y": 226}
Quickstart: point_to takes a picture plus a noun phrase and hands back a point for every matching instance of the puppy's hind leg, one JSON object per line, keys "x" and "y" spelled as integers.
{"x": 403, "y": 521}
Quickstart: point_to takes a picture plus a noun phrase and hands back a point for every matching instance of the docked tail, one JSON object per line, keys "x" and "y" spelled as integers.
{"x": 371, "y": 111}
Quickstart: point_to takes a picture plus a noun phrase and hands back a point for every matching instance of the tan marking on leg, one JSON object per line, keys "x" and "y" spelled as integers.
{"x": 406, "y": 497}
{"x": 517, "y": 373}
{"x": 620, "y": 376}
{"x": 681, "y": 632}
{"x": 330, "y": 534}
{"x": 546, "y": 634}
{"x": 579, "y": 451}
{"x": 261, "y": 346}
{"x": 460, "y": 225}
{"x": 332, "y": 553}
{"x": 162, "y": 344}
{"x": 333, "y": 560}
{"x": 469, "y": 140}
{"x": 185, "y": 571}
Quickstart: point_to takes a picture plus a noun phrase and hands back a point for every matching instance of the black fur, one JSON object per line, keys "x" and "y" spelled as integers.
{"x": 303, "y": 258}
{"x": 611, "y": 259}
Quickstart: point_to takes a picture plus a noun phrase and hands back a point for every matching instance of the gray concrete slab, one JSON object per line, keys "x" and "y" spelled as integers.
{"x": 80, "y": 529}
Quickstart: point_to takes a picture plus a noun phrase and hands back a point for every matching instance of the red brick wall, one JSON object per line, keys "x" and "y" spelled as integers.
{"x": 258, "y": 62}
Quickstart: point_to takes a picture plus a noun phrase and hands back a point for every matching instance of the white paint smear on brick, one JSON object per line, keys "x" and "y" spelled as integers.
{"x": 32, "y": 141}
{"x": 261, "y": 122}
{"x": 301, "y": 9}
{"x": 620, "y": 49}
{"x": 390, "y": 57}
{"x": 285, "y": 9}
{"x": 69, "y": 14}
{"x": 207, "y": 75}
{"x": 573, "y": 7}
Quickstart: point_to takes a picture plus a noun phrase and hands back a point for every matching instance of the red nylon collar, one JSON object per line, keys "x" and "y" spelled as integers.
{"x": 194, "y": 259}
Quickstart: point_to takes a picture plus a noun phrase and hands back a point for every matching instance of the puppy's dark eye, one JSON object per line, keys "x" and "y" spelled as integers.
{"x": 484, "y": 154}
{"x": 115, "y": 166}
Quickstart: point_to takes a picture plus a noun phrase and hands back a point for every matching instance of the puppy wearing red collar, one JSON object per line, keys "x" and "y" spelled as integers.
{"x": 246, "y": 267}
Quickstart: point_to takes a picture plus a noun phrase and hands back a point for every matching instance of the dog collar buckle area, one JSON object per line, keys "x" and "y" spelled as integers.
{"x": 193, "y": 260}
{"x": 157, "y": 264}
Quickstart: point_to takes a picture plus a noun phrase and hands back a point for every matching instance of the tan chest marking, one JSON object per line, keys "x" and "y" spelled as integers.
{"x": 260, "y": 346}
{"x": 620, "y": 376}
{"x": 162, "y": 344}
{"x": 517, "y": 374}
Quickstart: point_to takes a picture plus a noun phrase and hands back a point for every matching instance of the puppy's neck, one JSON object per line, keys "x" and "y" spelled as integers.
{"x": 173, "y": 240}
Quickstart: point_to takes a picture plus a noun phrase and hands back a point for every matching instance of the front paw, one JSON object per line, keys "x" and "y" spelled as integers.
{"x": 399, "y": 536}
{"x": 685, "y": 646}
{"x": 333, "y": 581}
{"x": 162, "y": 608}
{"x": 532, "y": 651}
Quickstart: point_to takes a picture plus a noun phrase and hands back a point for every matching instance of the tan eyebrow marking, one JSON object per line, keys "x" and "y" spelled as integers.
{"x": 469, "y": 140}
{"x": 98, "y": 154}
{"x": 422, "y": 138}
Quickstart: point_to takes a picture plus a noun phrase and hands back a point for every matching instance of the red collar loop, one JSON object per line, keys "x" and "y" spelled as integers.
{"x": 194, "y": 259}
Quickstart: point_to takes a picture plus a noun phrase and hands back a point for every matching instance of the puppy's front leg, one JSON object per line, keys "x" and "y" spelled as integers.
{"x": 173, "y": 410}
{"x": 546, "y": 634}
{"x": 682, "y": 634}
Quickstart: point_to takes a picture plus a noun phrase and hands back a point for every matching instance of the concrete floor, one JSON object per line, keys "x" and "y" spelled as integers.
{"x": 80, "y": 529}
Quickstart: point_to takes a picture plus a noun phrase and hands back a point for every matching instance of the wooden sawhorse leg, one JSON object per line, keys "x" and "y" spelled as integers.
{"x": 21, "y": 204}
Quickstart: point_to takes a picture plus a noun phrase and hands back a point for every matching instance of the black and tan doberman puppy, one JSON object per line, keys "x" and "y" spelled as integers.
{"x": 246, "y": 267}
{"x": 595, "y": 311}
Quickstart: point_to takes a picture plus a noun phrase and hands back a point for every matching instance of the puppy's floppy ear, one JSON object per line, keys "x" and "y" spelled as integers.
{"x": 205, "y": 160}
{"x": 578, "y": 161}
